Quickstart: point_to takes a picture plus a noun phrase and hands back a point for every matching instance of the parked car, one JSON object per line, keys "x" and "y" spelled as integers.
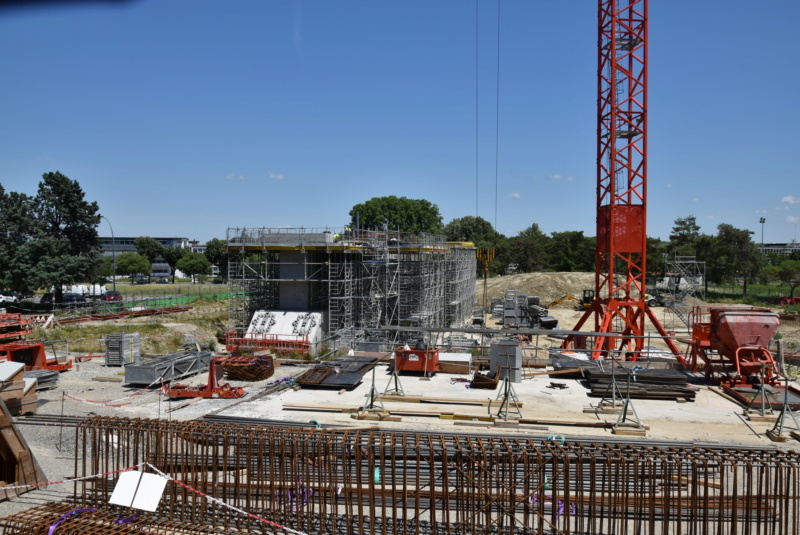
{"x": 47, "y": 299}
{"x": 27, "y": 294}
{"x": 20, "y": 295}
{"x": 217, "y": 281}
{"x": 142, "y": 281}
{"x": 72, "y": 298}
{"x": 162, "y": 281}
{"x": 7, "y": 297}
{"x": 111, "y": 295}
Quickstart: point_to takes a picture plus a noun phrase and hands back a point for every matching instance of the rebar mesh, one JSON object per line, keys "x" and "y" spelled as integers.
{"x": 323, "y": 481}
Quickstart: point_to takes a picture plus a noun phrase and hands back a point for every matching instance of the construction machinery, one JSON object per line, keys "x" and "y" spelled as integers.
{"x": 584, "y": 302}
{"x": 215, "y": 388}
{"x": 730, "y": 344}
{"x": 658, "y": 300}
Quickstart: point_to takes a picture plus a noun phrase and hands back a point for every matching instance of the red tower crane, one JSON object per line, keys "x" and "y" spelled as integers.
{"x": 619, "y": 308}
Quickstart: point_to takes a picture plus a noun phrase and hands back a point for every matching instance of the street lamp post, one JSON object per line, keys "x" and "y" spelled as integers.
{"x": 762, "y": 221}
{"x": 113, "y": 255}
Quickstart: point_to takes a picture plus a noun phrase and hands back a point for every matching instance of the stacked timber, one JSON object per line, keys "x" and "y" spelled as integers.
{"x": 18, "y": 393}
{"x": 642, "y": 384}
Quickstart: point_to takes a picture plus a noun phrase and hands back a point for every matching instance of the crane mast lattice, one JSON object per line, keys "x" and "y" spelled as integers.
{"x": 619, "y": 308}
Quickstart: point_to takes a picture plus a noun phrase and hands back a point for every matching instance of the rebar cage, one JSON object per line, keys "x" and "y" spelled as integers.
{"x": 358, "y": 481}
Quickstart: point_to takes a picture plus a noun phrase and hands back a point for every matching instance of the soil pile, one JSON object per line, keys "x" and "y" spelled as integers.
{"x": 548, "y": 286}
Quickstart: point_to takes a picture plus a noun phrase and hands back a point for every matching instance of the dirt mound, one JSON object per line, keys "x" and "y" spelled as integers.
{"x": 548, "y": 286}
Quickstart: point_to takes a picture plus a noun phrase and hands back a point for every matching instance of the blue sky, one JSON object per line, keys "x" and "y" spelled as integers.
{"x": 187, "y": 117}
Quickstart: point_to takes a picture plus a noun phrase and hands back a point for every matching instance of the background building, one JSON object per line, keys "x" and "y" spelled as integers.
{"x": 781, "y": 249}
{"x": 124, "y": 244}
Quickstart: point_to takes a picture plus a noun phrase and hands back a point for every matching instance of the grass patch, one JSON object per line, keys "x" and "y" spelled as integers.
{"x": 155, "y": 338}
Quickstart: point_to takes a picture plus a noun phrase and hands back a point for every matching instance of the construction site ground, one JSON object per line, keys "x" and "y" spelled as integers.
{"x": 547, "y": 411}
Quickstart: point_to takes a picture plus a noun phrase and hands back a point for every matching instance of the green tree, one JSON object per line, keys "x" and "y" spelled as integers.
{"x": 194, "y": 264}
{"x": 528, "y": 250}
{"x": 472, "y": 229}
{"x": 63, "y": 247}
{"x": 397, "y": 213}
{"x": 788, "y": 273}
{"x": 734, "y": 255}
{"x": 132, "y": 264}
{"x": 150, "y": 248}
{"x": 684, "y": 236}
{"x": 17, "y": 223}
{"x": 656, "y": 268}
{"x": 217, "y": 254}
{"x": 171, "y": 256}
{"x": 571, "y": 251}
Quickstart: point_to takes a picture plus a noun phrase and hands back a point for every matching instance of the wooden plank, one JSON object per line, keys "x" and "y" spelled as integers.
{"x": 724, "y": 395}
{"x": 552, "y": 372}
{"x": 570, "y": 423}
{"x": 316, "y": 407}
{"x": 427, "y": 399}
{"x": 104, "y": 379}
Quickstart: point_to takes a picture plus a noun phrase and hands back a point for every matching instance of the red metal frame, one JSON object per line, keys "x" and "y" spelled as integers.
{"x": 215, "y": 388}
{"x": 620, "y": 259}
{"x": 33, "y": 355}
{"x": 281, "y": 343}
{"x": 14, "y": 327}
{"x": 719, "y": 365}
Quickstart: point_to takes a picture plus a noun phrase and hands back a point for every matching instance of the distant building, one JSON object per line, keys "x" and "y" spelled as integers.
{"x": 198, "y": 247}
{"x": 122, "y": 244}
{"x": 781, "y": 249}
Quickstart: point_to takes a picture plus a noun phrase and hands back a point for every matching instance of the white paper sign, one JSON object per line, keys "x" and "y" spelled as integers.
{"x": 139, "y": 490}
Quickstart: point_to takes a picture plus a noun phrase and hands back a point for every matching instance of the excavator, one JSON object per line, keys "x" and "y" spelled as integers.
{"x": 588, "y": 298}
{"x": 583, "y": 303}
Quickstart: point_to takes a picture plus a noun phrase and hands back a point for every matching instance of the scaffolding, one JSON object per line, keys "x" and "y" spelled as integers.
{"x": 361, "y": 279}
{"x": 684, "y": 281}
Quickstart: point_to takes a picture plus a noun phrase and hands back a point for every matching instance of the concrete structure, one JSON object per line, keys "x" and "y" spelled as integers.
{"x": 360, "y": 280}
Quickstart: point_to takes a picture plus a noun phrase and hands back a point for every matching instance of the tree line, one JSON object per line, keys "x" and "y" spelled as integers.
{"x": 51, "y": 240}
{"x": 730, "y": 255}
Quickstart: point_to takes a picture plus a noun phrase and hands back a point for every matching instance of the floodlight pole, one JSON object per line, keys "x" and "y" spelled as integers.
{"x": 113, "y": 254}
